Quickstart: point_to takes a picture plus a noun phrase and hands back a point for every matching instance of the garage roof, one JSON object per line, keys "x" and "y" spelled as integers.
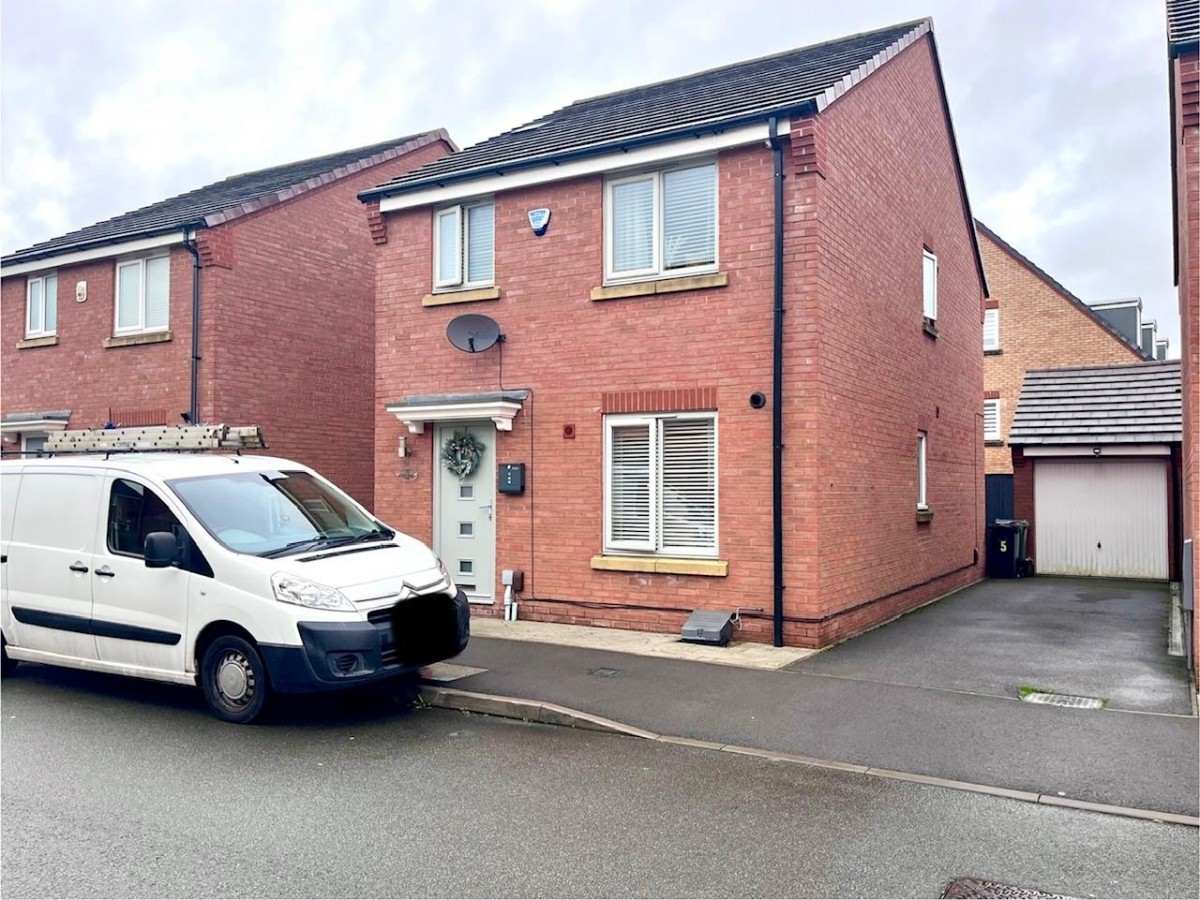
{"x": 1138, "y": 403}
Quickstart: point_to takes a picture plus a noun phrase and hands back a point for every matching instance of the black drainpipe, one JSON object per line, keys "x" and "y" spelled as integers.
{"x": 777, "y": 386}
{"x": 194, "y": 408}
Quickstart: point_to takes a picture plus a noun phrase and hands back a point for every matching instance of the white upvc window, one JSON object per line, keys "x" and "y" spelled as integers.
{"x": 660, "y": 484}
{"x": 929, "y": 280}
{"x": 41, "y": 306}
{"x": 991, "y": 420}
{"x": 661, "y": 223}
{"x": 991, "y": 329}
{"x": 464, "y": 238}
{"x": 33, "y": 443}
{"x": 922, "y": 469}
{"x": 143, "y": 295}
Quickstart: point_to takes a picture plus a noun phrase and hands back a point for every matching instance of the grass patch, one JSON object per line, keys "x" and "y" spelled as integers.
{"x": 1026, "y": 689}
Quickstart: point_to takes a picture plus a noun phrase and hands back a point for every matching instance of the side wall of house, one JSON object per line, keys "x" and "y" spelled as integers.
{"x": 891, "y": 190}
{"x": 292, "y": 343}
{"x": 79, "y": 372}
{"x": 705, "y": 348}
{"x": 1039, "y": 329}
{"x": 1186, "y": 75}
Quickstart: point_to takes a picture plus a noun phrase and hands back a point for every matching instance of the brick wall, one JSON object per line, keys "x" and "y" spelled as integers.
{"x": 1039, "y": 329}
{"x": 1185, "y": 72}
{"x": 882, "y": 377}
{"x": 79, "y": 373}
{"x": 291, "y": 347}
{"x": 850, "y": 420}
{"x": 286, "y": 333}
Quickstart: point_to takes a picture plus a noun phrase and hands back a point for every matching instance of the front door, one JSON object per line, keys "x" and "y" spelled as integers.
{"x": 464, "y": 530}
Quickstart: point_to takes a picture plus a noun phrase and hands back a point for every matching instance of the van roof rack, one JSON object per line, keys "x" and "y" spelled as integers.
{"x": 164, "y": 438}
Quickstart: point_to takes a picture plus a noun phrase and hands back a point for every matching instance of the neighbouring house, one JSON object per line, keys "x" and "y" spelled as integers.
{"x": 1096, "y": 453}
{"x": 1033, "y": 322}
{"x": 1183, "y": 56}
{"x": 98, "y": 323}
{"x": 1125, "y": 316}
{"x": 633, "y": 428}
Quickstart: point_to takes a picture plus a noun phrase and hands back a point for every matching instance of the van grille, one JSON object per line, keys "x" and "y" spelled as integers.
{"x": 417, "y": 631}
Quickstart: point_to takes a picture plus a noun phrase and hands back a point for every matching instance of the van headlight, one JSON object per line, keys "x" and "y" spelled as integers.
{"x": 302, "y": 592}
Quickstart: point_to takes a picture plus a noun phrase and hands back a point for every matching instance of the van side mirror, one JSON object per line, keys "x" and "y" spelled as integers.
{"x": 160, "y": 550}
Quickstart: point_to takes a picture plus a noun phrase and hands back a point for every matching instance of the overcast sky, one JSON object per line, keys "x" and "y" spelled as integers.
{"x": 1060, "y": 106}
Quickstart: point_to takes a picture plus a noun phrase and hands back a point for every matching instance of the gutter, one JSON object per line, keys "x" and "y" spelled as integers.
{"x": 189, "y": 245}
{"x": 777, "y": 388}
{"x": 807, "y": 108}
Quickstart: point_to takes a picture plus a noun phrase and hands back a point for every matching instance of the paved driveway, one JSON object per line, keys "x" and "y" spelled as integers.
{"x": 1084, "y": 636}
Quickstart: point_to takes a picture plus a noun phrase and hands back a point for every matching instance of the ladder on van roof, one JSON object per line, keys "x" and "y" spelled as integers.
{"x": 158, "y": 439}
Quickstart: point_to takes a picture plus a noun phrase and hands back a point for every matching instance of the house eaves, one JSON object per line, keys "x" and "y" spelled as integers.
{"x": 1055, "y": 286}
{"x": 212, "y": 205}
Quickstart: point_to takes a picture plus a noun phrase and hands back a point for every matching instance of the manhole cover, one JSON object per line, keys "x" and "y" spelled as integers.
{"x": 605, "y": 673}
{"x": 1064, "y": 700}
{"x": 978, "y": 889}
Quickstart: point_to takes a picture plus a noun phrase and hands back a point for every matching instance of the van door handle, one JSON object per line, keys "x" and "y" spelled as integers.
{"x": 78, "y": 567}
{"x": 105, "y": 572}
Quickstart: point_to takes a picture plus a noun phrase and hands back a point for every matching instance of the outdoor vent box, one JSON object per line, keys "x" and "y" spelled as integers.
{"x": 704, "y": 627}
{"x": 512, "y": 478}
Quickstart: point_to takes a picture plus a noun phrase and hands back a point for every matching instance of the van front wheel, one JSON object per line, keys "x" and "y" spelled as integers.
{"x": 234, "y": 679}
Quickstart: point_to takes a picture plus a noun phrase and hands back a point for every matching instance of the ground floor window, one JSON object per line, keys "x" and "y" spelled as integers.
{"x": 660, "y": 484}
{"x": 33, "y": 443}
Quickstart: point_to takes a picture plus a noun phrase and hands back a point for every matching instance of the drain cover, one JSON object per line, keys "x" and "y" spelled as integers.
{"x": 1064, "y": 700}
{"x": 978, "y": 889}
{"x": 605, "y": 673}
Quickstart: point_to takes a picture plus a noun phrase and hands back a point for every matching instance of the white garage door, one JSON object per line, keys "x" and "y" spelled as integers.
{"x": 1099, "y": 517}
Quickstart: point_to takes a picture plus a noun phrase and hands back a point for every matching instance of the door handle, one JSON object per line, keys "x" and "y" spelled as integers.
{"x": 488, "y": 507}
{"x": 78, "y": 567}
{"x": 105, "y": 572}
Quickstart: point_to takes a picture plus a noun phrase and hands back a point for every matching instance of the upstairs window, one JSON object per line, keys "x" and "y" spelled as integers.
{"x": 464, "y": 246}
{"x": 143, "y": 294}
{"x": 930, "y": 276}
{"x": 991, "y": 420}
{"x": 660, "y": 484}
{"x": 991, "y": 329}
{"x": 41, "y": 306}
{"x": 661, "y": 223}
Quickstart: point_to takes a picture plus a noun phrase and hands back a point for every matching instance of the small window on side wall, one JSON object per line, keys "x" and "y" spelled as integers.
{"x": 41, "y": 306}
{"x": 922, "y": 469}
{"x": 991, "y": 420}
{"x": 991, "y": 329}
{"x": 143, "y": 295}
{"x": 930, "y": 279}
{"x": 463, "y": 246}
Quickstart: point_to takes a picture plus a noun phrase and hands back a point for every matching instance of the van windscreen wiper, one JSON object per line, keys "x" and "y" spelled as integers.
{"x": 329, "y": 540}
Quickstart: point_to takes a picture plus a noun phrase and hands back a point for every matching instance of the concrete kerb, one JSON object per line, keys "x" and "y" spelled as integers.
{"x": 555, "y": 714}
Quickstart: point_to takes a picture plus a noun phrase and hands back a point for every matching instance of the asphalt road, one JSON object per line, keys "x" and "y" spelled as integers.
{"x": 117, "y": 788}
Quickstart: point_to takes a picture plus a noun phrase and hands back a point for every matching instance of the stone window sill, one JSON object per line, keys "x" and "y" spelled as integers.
{"x": 993, "y": 443}
{"x": 713, "y": 568}
{"x": 660, "y": 286}
{"x": 49, "y": 340}
{"x": 475, "y": 295}
{"x": 136, "y": 340}
{"x": 924, "y": 516}
{"x": 930, "y": 327}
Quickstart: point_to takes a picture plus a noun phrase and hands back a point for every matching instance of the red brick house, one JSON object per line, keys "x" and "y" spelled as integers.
{"x": 97, "y": 324}
{"x": 1033, "y": 322}
{"x": 1183, "y": 43}
{"x": 739, "y": 363}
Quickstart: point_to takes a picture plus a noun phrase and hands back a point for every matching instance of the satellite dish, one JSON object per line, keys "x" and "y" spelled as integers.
{"x": 472, "y": 333}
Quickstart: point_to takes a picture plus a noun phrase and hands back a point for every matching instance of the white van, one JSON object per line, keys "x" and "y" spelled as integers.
{"x": 246, "y": 575}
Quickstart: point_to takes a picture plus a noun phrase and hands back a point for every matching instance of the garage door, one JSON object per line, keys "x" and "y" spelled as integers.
{"x": 1098, "y": 517}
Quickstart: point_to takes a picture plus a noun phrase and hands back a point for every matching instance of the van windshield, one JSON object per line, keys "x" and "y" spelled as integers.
{"x": 276, "y": 513}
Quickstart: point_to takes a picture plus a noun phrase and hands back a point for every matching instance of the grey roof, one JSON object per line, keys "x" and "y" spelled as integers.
{"x": 228, "y": 199}
{"x": 1060, "y": 290}
{"x": 706, "y": 102}
{"x": 1138, "y": 403}
{"x": 1183, "y": 24}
